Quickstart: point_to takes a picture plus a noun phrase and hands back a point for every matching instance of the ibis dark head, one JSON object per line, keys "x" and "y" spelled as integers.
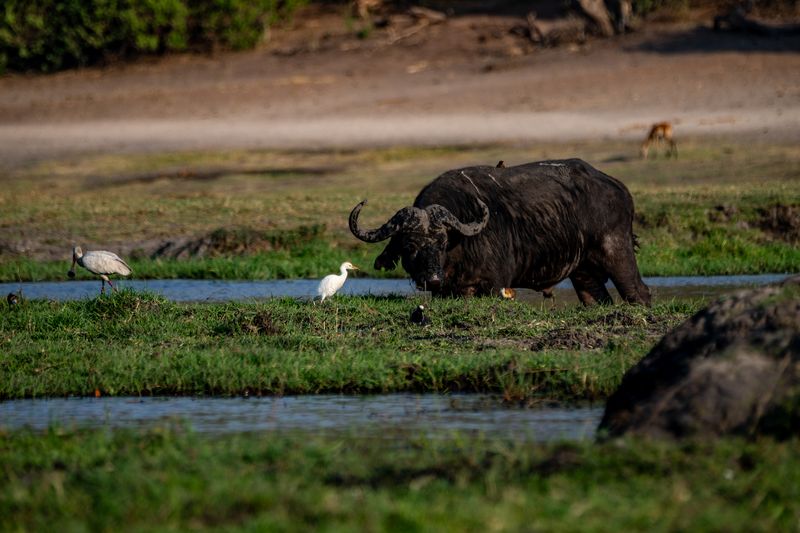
{"x": 77, "y": 253}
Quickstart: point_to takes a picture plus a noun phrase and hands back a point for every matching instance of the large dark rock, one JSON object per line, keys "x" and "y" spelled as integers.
{"x": 733, "y": 368}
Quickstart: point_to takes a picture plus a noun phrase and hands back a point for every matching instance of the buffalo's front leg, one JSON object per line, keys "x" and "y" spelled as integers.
{"x": 469, "y": 290}
{"x": 591, "y": 289}
{"x": 549, "y": 294}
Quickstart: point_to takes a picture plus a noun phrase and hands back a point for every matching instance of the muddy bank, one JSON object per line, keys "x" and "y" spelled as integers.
{"x": 778, "y": 221}
{"x": 229, "y": 242}
{"x": 615, "y": 326}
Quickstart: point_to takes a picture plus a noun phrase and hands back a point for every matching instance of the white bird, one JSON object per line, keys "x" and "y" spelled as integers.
{"x": 99, "y": 263}
{"x": 332, "y": 283}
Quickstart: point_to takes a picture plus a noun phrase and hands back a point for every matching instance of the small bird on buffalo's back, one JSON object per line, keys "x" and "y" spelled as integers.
{"x": 418, "y": 316}
{"x": 100, "y": 263}
{"x": 332, "y": 283}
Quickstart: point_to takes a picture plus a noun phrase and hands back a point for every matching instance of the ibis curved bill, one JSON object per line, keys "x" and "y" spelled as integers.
{"x": 333, "y": 282}
{"x": 100, "y": 263}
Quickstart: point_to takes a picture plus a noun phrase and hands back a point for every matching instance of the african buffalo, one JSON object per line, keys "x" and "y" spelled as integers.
{"x": 475, "y": 230}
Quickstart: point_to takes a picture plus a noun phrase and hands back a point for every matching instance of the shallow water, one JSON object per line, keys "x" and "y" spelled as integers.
{"x": 431, "y": 415}
{"x": 182, "y": 290}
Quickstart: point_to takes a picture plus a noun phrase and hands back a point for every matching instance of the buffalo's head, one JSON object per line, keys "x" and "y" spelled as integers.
{"x": 419, "y": 236}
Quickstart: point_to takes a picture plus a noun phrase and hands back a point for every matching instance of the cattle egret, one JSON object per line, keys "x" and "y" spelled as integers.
{"x": 100, "y": 263}
{"x": 332, "y": 283}
{"x": 508, "y": 294}
{"x": 418, "y": 316}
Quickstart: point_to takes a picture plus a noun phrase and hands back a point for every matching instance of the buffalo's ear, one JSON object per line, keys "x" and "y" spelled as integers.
{"x": 389, "y": 257}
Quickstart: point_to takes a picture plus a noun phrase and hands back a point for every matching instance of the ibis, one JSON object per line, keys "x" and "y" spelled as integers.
{"x": 100, "y": 263}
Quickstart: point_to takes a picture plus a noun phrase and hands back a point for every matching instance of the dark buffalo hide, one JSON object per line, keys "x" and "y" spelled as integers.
{"x": 478, "y": 229}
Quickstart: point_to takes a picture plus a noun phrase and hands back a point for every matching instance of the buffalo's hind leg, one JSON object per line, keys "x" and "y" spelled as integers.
{"x": 590, "y": 287}
{"x": 620, "y": 262}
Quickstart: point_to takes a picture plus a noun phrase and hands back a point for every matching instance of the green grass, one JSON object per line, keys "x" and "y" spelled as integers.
{"x": 173, "y": 479}
{"x": 132, "y": 343}
{"x": 704, "y": 213}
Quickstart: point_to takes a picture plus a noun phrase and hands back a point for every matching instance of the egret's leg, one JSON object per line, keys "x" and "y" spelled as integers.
{"x": 103, "y": 286}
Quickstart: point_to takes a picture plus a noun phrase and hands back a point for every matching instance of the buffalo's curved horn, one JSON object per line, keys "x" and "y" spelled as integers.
{"x": 401, "y": 219}
{"x": 440, "y": 215}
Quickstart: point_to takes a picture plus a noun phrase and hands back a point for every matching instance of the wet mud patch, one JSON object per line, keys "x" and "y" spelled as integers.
{"x": 263, "y": 323}
{"x": 260, "y": 323}
{"x": 448, "y": 338}
{"x": 781, "y": 221}
{"x": 567, "y": 338}
{"x": 621, "y": 321}
{"x": 231, "y": 242}
{"x": 595, "y": 333}
{"x": 652, "y": 220}
{"x": 619, "y": 318}
{"x": 499, "y": 344}
{"x": 723, "y": 213}
{"x": 598, "y": 332}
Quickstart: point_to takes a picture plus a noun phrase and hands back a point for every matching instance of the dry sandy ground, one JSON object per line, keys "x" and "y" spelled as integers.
{"x": 468, "y": 80}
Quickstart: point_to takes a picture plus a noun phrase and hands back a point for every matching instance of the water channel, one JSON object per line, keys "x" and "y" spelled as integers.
{"x": 432, "y": 415}
{"x": 385, "y": 415}
{"x": 183, "y": 290}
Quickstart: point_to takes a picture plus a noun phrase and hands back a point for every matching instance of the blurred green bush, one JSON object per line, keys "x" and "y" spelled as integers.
{"x": 50, "y": 35}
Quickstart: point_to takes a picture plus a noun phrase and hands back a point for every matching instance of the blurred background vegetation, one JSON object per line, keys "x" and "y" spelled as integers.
{"x": 52, "y": 35}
